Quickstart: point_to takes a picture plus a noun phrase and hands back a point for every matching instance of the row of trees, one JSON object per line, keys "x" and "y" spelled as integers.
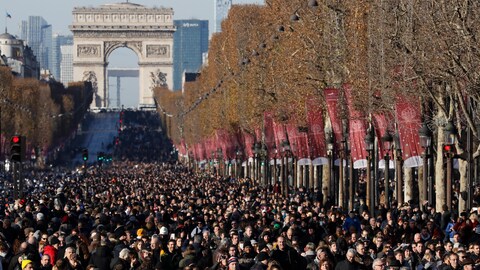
{"x": 277, "y": 56}
{"x": 45, "y": 112}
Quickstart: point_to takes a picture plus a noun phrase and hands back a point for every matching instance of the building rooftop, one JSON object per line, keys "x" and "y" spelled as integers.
{"x": 7, "y": 36}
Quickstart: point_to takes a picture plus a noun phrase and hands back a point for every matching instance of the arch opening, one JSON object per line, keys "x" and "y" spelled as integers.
{"x": 122, "y": 78}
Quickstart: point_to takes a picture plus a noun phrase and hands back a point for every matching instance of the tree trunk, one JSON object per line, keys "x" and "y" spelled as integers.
{"x": 407, "y": 172}
{"x": 462, "y": 200}
{"x": 439, "y": 164}
{"x": 325, "y": 182}
{"x": 421, "y": 185}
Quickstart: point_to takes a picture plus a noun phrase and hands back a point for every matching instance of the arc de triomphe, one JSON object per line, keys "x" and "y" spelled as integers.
{"x": 98, "y": 31}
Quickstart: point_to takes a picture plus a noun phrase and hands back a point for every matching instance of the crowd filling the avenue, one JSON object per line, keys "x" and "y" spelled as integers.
{"x": 154, "y": 213}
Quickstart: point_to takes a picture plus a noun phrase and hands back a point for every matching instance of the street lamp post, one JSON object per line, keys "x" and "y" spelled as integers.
{"x": 212, "y": 163}
{"x": 341, "y": 177}
{"x": 426, "y": 141}
{"x": 369, "y": 146}
{"x": 220, "y": 161}
{"x": 398, "y": 169}
{"x": 238, "y": 161}
{"x": 286, "y": 153}
{"x": 449, "y": 148}
{"x": 330, "y": 147}
{"x": 263, "y": 163}
{"x": 275, "y": 152}
{"x": 348, "y": 157}
{"x": 387, "y": 145}
{"x": 255, "y": 161}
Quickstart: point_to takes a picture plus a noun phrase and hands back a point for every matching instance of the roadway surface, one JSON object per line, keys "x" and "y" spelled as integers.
{"x": 98, "y": 135}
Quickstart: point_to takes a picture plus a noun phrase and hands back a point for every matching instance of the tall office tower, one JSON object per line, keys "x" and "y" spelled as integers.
{"x": 37, "y": 34}
{"x": 57, "y": 42}
{"x": 220, "y": 12}
{"x": 66, "y": 64}
{"x": 190, "y": 43}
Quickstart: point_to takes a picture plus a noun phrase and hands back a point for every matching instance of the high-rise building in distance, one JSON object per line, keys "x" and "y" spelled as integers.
{"x": 37, "y": 34}
{"x": 190, "y": 43}
{"x": 66, "y": 64}
{"x": 57, "y": 42}
{"x": 220, "y": 13}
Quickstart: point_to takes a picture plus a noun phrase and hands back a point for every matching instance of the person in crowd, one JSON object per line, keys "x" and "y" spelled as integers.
{"x": 145, "y": 210}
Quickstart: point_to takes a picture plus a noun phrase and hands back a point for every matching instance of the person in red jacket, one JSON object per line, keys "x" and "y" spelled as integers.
{"x": 51, "y": 249}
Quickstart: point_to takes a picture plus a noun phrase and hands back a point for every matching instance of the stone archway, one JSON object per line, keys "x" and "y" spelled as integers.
{"x": 98, "y": 31}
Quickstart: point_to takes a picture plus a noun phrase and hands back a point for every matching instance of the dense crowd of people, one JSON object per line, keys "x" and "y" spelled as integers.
{"x": 160, "y": 215}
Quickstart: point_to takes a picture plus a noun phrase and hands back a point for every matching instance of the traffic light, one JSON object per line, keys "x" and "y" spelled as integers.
{"x": 85, "y": 154}
{"x": 448, "y": 148}
{"x": 17, "y": 148}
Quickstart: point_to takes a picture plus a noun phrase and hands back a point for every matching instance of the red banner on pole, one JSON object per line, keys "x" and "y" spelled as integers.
{"x": 332, "y": 98}
{"x": 298, "y": 140}
{"x": 357, "y": 133}
{"x": 248, "y": 140}
{"x": 279, "y": 133}
{"x": 409, "y": 122}
{"x": 221, "y": 137}
{"x": 382, "y": 123}
{"x": 269, "y": 134}
{"x": 316, "y": 130}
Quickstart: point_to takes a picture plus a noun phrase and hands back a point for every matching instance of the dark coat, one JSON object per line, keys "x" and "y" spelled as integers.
{"x": 289, "y": 259}
{"x": 101, "y": 258}
{"x": 346, "y": 265}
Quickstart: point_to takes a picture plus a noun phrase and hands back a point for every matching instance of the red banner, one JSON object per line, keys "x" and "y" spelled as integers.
{"x": 201, "y": 151}
{"x": 316, "y": 132}
{"x": 280, "y": 135}
{"x": 298, "y": 140}
{"x": 248, "y": 140}
{"x": 195, "y": 154}
{"x": 292, "y": 132}
{"x": 269, "y": 134}
{"x": 332, "y": 99}
{"x": 182, "y": 149}
{"x": 409, "y": 122}
{"x": 210, "y": 148}
{"x": 357, "y": 132}
{"x": 221, "y": 136}
{"x": 383, "y": 122}
{"x": 232, "y": 144}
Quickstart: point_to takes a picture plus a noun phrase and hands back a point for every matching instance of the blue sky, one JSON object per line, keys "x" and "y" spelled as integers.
{"x": 58, "y": 13}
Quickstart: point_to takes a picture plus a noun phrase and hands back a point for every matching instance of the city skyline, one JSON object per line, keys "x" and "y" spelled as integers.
{"x": 60, "y": 17}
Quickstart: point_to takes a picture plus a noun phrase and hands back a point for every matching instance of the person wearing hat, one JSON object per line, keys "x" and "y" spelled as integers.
{"x": 247, "y": 256}
{"x": 27, "y": 265}
{"x": 468, "y": 264}
{"x": 262, "y": 261}
{"x": 232, "y": 263}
